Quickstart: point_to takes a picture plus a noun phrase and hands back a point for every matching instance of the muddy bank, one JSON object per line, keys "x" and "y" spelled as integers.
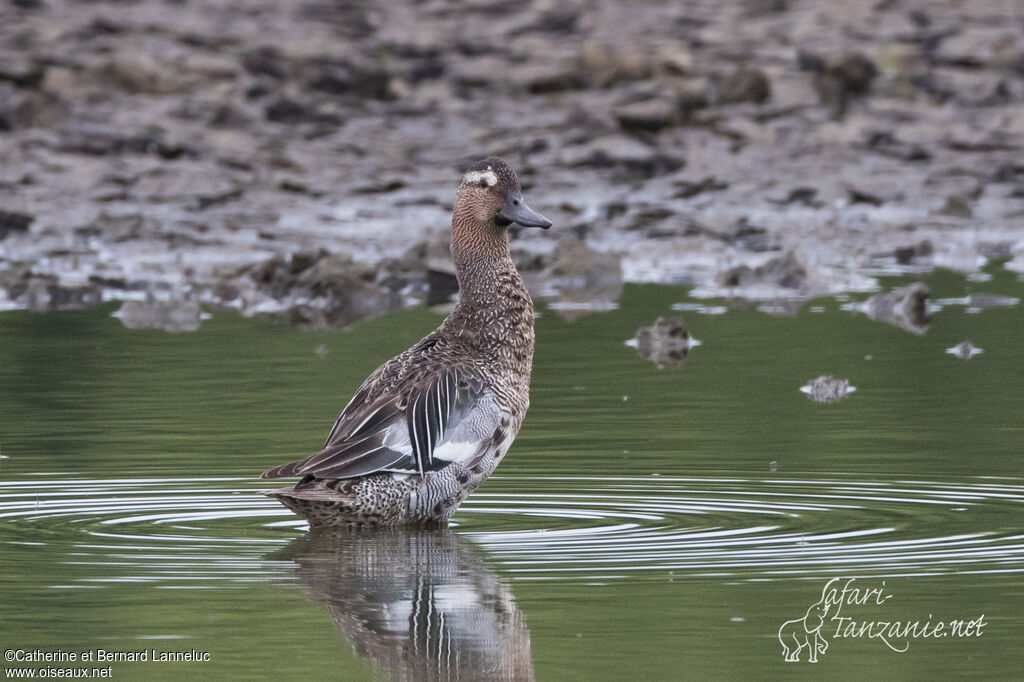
{"x": 301, "y": 157}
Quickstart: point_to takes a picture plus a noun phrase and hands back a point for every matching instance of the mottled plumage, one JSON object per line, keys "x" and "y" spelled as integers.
{"x": 428, "y": 426}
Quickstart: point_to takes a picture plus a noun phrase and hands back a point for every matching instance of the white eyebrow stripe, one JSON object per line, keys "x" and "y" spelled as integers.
{"x": 473, "y": 177}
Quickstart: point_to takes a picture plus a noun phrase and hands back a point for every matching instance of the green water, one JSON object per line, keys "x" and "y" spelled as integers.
{"x": 637, "y": 529}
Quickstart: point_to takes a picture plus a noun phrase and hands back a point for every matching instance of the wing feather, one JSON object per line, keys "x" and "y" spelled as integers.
{"x": 365, "y": 439}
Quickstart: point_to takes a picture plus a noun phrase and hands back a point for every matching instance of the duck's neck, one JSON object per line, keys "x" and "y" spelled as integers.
{"x": 481, "y": 254}
{"x": 494, "y": 315}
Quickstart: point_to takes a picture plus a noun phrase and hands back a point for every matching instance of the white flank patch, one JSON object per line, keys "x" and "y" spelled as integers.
{"x": 474, "y": 177}
{"x": 456, "y": 452}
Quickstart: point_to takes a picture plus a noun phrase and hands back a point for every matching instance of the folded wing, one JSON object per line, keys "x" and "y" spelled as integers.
{"x": 397, "y": 432}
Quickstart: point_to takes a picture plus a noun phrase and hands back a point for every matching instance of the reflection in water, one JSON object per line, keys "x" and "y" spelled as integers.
{"x": 905, "y": 307}
{"x": 423, "y": 605}
{"x": 666, "y": 343}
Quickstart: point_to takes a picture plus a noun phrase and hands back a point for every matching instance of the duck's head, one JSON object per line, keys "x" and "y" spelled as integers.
{"x": 490, "y": 192}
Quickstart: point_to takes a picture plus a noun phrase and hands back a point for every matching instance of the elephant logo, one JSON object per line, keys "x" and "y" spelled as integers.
{"x": 805, "y": 633}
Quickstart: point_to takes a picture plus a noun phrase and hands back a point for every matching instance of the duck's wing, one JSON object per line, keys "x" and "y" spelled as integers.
{"x": 398, "y": 431}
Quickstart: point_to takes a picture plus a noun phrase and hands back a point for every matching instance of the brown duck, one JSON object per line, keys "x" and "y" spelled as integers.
{"x": 431, "y": 424}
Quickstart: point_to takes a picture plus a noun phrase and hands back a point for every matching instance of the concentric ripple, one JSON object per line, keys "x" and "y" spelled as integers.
{"x": 206, "y": 532}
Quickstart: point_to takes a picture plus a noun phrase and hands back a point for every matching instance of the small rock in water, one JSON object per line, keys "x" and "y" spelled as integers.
{"x": 773, "y": 466}
{"x": 965, "y": 350}
{"x": 827, "y": 389}
{"x": 321, "y": 350}
{"x": 666, "y": 343}
{"x": 906, "y": 308}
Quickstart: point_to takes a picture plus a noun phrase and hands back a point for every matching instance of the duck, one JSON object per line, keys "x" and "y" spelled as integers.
{"x": 431, "y": 424}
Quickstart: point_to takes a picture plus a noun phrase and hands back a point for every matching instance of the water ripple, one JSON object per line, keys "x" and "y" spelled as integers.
{"x": 195, "y": 533}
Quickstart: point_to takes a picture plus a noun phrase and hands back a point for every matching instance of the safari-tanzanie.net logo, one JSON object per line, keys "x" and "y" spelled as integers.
{"x": 865, "y": 618}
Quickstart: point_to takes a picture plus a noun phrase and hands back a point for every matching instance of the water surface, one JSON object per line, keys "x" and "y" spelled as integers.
{"x": 649, "y": 523}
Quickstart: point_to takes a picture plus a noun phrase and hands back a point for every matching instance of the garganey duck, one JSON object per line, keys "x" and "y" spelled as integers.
{"x": 431, "y": 424}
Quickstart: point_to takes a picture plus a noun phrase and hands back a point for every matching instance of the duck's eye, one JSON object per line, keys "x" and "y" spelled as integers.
{"x": 483, "y": 183}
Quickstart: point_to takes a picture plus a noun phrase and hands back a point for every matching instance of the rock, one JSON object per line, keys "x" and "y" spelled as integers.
{"x": 40, "y": 293}
{"x": 604, "y": 65}
{"x": 827, "y": 389}
{"x": 582, "y": 280}
{"x": 633, "y": 159}
{"x": 547, "y": 77}
{"x": 22, "y": 70}
{"x": 266, "y": 60}
{"x": 332, "y": 292}
{"x": 965, "y": 350}
{"x": 785, "y": 271}
{"x": 11, "y": 223}
{"x": 980, "y": 46}
{"x": 170, "y": 316}
{"x": 360, "y": 78}
{"x": 139, "y": 74}
{"x": 20, "y": 109}
{"x": 905, "y": 307}
{"x": 886, "y": 144}
{"x": 690, "y": 188}
{"x": 854, "y": 71}
{"x": 905, "y": 255}
{"x": 666, "y": 343}
{"x": 838, "y": 79}
{"x": 805, "y": 196}
{"x": 744, "y": 85}
{"x": 653, "y": 114}
{"x": 957, "y": 206}
{"x": 294, "y": 112}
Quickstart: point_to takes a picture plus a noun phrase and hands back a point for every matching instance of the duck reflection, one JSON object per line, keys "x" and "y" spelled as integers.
{"x": 423, "y": 605}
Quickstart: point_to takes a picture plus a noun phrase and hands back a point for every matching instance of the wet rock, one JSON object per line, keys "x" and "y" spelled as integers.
{"x": 170, "y": 316}
{"x": 42, "y": 292}
{"x": 885, "y": 143}
{"x": 295, "y": 112}
{"x": 860, "y": 196}
{"x": 266, "y": 60}
{"x": 1009, "y": 172}
{"x": 631, "y": 158}
{"x": 138, "y": 74}
{"x": 957, "y": 206}
{"x": 839, "y": 79}
{"x": 12, "y": 223}
{"x": 980, "y": 46}
{"x": 965, "y": 350}
{"x": 747, "y": 237}
{"x": 97, "y": 139}
{"x": 799, "y": 195}
{"x": 21, "y": 109}
{"x": 744, "y": 85}
{"x": 688, "y": 188}
{"x": 332, "y": 292}
{"x": 582, "y": 280}
{"x": 827, "y": 389}
{"x": 22, "y": 70}
{"x": 545, "y": 77}
{"x": 604, "y": 65}
{"x": 360, "y": 78}
{"x": 905, "y": 307}
{"x": 905, "y": 255}
{"x": 666, "y": 343}
{"x": 653, "y": 114}
{"x": 786, "y": 271}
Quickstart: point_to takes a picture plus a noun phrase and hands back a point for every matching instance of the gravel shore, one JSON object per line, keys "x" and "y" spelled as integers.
{"x": 301, "y": 157}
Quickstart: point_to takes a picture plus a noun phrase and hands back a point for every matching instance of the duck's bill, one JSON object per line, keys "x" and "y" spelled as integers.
{"x": 516, "y": 211}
